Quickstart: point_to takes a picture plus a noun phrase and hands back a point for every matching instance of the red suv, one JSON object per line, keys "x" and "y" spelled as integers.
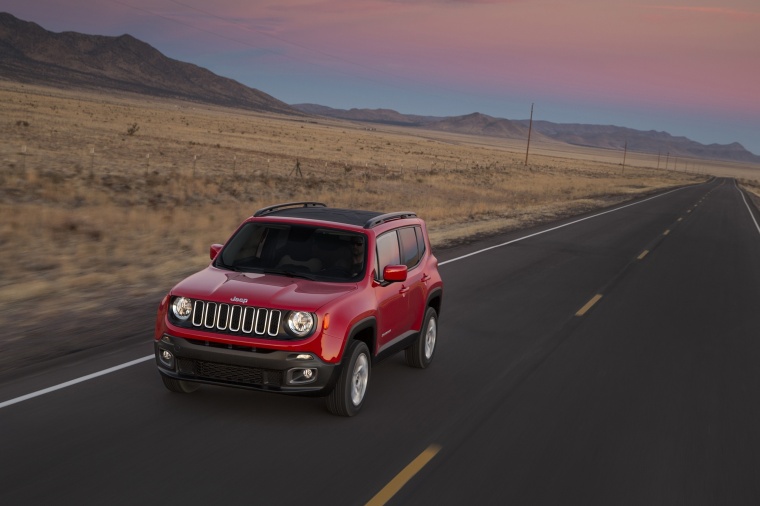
{"x": 304, "y": 298}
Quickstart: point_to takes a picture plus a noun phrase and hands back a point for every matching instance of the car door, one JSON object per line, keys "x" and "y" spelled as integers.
{"x": 411, "y": 256}
{"x": 392, "y": 306}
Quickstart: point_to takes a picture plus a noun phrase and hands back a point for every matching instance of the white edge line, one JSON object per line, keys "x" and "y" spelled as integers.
{"x": 74, "y": 382}
{"x": 558, "y": 227}
{"x": 748, "y": 208}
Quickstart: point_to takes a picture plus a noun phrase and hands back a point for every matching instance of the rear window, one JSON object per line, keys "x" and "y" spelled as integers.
{"x": 409, "y": 247}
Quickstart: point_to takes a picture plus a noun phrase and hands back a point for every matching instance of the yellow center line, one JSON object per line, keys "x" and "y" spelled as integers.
{"x": 666, "y": 232}
{"x": 588, "y": 305}
{"x": 643, "y": 254}
{"x": 402, "y": 478}
{"x": 680, "y": 219}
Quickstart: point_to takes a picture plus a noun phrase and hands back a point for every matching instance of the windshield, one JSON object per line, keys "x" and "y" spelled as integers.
{"x": 317, "y": 253}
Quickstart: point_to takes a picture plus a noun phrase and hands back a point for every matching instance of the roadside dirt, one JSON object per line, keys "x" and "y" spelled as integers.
{"x": 52, "y": 336}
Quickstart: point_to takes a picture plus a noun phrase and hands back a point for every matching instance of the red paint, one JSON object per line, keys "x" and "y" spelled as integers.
{"x": 290, "y": 301}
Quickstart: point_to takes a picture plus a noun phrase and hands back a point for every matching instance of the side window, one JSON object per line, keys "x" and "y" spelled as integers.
{"x": 387, "y": 251}
{"x": 420, "y": 241}
{"x": 410, "y": 253}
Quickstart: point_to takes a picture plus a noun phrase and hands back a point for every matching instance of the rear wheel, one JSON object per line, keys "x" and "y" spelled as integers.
{"x": 179, "y": 386}
{"x": 420, "y": 354}
{"x": 347, "y": 396}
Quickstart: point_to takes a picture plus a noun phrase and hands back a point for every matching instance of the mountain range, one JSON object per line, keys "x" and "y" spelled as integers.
{"x": 472, "y": 124}
{"x": 651, "y": 141}
{"x": 31, "y": 54}
{"x": 600, "y": 136}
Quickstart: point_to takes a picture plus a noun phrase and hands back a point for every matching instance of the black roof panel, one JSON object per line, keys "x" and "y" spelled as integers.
{"x": 335, "y": 215}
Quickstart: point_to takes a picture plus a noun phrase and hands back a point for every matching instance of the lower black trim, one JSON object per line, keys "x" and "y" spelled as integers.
{"x": 399, "y": 344}
{"x": 237, "y": 368}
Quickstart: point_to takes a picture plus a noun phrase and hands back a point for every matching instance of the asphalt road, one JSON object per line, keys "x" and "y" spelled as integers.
{"x": 607, "y": 359}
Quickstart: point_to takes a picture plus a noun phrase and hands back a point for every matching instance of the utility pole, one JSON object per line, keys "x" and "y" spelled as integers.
{"x": 530, "y": 129}
{"x": 625, "y": 152}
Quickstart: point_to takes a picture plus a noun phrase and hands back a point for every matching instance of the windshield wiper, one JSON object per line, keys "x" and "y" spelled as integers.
{"x": 221, "y": 265}
{"x": 290, "y": 274}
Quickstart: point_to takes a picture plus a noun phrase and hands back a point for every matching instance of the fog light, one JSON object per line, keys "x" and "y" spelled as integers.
{"x": 301, "y": 376}
{"x": 167, "y": 358}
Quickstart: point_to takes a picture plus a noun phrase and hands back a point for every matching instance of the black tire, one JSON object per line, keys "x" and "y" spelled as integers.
{"x": 420, "y": 354}
{"x": 347, "y": 397}
{"x": 179, "y": 386}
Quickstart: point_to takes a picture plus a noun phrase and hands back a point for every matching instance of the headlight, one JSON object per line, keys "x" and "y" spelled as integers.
{"x": 300, "y": 323}
{"x": 182, "y": 307}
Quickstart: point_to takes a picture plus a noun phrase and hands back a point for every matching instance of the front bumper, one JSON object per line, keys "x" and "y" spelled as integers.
{"x": 257, "y": 369}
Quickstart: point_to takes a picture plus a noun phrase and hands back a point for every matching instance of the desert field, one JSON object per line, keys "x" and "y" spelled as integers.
{"x": 108, "y": 200}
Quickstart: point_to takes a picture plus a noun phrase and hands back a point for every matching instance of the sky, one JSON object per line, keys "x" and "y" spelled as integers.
{"x": 687, "y": 67}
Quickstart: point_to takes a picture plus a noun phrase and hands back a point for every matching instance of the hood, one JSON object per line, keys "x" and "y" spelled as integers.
{"x": 260, "y": 290}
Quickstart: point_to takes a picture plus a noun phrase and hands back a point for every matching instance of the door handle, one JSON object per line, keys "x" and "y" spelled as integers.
{"x": 403, "y": 290}
{"x": 426, "y": 278}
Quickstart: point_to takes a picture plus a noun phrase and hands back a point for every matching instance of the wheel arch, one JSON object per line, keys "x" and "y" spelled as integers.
{"x": 435, "y": 300}
{"x": 365, "y": 331}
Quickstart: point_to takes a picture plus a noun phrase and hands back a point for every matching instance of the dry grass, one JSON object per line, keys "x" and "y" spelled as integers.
{"x": 105, "y": 195}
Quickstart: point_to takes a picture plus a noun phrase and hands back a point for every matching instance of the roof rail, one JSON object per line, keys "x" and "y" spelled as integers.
{"x": 277, "y": 207}
{"x": 377, "y": 220}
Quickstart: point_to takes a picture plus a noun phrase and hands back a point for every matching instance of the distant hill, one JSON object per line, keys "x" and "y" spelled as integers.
{"x": 615, "y": 137}
{"x": 31, "y": 54}
{"x": 481, "y": 124}
{"x": 385, "y": 116}
{"x": 472, "y": 124}
{"x": 601, "y": 136}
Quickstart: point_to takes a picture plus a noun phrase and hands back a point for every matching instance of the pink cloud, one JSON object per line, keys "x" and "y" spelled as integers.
{"x": 593, "y": 49}
{"x": 721, "y": 11}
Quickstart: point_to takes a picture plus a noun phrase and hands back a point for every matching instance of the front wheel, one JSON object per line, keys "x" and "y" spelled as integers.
{"x": 420, "y": 354}
{"x": 347, "y": 396}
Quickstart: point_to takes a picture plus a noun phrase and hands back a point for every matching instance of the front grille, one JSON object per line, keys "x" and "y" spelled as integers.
{"x": 236, "y": 319}
{"x": 229, "y": 373}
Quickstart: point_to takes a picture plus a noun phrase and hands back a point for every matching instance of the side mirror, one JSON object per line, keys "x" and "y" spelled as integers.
{"x": 215, "y": 249}
{"x": 395, "y": 273}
